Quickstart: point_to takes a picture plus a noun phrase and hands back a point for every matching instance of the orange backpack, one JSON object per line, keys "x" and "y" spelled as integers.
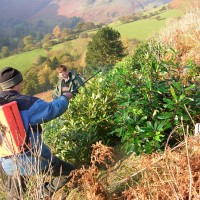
{"x": 12, "y": 132}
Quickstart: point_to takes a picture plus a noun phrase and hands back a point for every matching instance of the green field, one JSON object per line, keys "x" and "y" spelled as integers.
{"x": 22, "y": 61}
{"x": 140, "y": 30}
{"x": 144, "y": 28}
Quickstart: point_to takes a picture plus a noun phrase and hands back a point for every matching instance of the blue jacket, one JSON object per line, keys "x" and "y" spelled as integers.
{"x": 34, "y": 112}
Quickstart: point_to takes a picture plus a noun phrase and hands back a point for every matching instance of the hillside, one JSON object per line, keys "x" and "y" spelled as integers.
{"x": 144, "y": 28}
{"x": 150, "y": 101}
{"x": 159, "y": 176}
{"x": 93, "y": 10}
{"x": 177, "y": 3}
{"x": 23, "y": 60}
{"x": 139, "y": 30}
{"x": 106, "y": 10}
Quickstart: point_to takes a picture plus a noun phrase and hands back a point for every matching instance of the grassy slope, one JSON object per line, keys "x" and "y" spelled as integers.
{"x": 22, "y": 61}
{"x": 140, "y": 30}
{"x": 157, "y": 176}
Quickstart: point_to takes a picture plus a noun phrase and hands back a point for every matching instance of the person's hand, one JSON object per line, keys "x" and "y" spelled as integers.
{"x": 68, "y": 95}
{"x": 65, "y": 89}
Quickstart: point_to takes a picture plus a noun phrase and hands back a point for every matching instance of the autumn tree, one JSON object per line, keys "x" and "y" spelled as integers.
{"x": 53, "y": 78}
{"x": 28, "y": 42}
{"x": 5, "y": 51}
{"x": 124, "y": 19}
{"x": 43, "y": 77}
{"x": 31, "y": 85}
{"x": 65, "y": 33}
{"x": 57, "y": 31}
{"x": 47, "y": 38}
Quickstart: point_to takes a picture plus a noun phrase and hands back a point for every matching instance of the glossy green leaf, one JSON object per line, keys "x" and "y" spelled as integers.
{"x": 190, "y": 87}
{"x": 166, "y": 115}
{"x": 169, "y": 101}
{"x": 173, "y": 93}
{"x": 148, "y": 82}
{"x": 177, "y": 85}
{"x": 181, "y": 97}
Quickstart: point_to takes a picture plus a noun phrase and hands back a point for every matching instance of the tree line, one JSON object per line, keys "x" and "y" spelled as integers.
{"x": 22, "y": 39}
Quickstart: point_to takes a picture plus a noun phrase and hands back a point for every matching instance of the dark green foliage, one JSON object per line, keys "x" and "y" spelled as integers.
{"x": 153, "y": 100}
{"x": 88, "y": 119}
{"x": 53, "y": 63}
{"x": 83, "y": 26}
{"x": 12, "y": 29}
{"x": 105, "y": 48}
{"x": 39, "y": 60}
{"x": 141, "y": 101}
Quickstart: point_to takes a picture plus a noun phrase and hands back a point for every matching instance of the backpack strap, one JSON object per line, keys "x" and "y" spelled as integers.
{"x": 7, "y": 99}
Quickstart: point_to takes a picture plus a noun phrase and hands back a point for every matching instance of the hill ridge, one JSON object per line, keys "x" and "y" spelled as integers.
{"x": 89, "y": 10}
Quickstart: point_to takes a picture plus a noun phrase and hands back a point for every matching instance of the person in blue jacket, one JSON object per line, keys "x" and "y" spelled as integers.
{"x": 34, "y": 112}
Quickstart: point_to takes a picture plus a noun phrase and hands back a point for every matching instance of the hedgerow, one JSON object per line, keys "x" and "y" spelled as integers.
{"x": 141, "y": 101}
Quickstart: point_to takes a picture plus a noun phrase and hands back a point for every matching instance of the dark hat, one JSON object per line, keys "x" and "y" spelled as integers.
{"x": 9, "y": 77}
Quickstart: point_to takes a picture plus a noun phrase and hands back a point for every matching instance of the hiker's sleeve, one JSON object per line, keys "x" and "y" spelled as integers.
{"x": 80, "y": 81}
{"x": 42, "y": 111}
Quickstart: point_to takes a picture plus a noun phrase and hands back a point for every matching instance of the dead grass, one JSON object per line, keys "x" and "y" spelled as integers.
{"x": 183, "y": 34}
{"x": 46, "y": 96}
{"x": 87, "y": 178}
{"x": 174, "y": 174}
